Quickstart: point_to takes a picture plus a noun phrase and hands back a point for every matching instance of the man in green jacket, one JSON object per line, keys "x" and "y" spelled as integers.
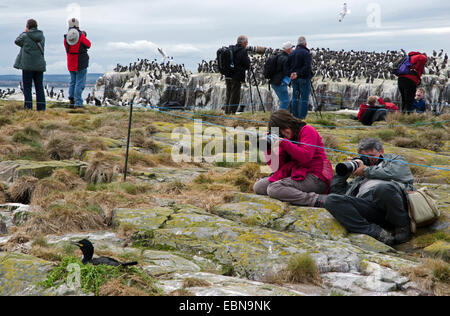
{"x": 375, "y": 201}
{"x": 32, "y": 63}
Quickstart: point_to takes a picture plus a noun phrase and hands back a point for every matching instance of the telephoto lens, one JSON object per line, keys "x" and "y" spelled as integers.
{"x": 345, "y": 168}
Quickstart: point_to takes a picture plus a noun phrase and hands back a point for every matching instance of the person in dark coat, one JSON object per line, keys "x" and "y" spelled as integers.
{"x": 241, "y": 64}
{"x": 281, "y": 79}
{"x": 76, "y": 45}
{"x": 300, "y": 66}
{"x": 32, "y": 63}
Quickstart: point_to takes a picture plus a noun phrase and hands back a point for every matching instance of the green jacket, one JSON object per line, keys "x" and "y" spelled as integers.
{"x": 388, "y": 170}
{"x": 30, "y": 56}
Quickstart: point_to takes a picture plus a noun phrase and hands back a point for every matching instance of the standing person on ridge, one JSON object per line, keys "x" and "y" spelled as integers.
{"x": 32, "y": 62}
{"x": 408, "y": 83}
{"x": 300, "y": 67}
{"x": 76, "y": 45}
{"x": 281, "y": 78}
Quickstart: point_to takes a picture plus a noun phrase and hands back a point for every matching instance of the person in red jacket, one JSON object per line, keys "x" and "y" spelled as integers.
{"x": 372, "y": 112}
{"x": 303, "y": 173}
{"x": 76, "y": 45}
{"x": 407, "y": 84}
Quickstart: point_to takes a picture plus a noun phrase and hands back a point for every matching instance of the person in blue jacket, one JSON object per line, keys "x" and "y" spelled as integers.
{"x": 299, "y": 65}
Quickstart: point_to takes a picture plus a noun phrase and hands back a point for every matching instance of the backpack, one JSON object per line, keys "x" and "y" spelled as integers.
{"x": 403, "y": 66}
{"x": 270, "y": 67}
{"x": 225, "y": 61}
{"x": 422, "y": 208}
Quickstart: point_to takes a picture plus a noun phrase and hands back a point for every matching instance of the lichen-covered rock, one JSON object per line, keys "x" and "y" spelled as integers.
{"x": 370, "y": 244}
{"x": 219, "y": 285}
{"x": 11, "y": 170}
{"x": 13, "y": 214}
{"x": 20, "y": 274}
{"x": 147, "y": 219}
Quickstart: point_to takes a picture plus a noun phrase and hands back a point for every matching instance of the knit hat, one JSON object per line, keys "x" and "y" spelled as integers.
{"x": 73, "y": 22}
{"x": 72, "y": 36}
{"x": 287, "y": 45}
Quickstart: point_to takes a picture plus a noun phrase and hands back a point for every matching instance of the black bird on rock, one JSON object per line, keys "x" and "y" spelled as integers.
{"x": 87, "y": 249}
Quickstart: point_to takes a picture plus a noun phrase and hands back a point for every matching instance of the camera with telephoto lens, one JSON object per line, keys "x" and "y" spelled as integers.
{"x": 346, "y": 168}
{"x": 256, "y": 49}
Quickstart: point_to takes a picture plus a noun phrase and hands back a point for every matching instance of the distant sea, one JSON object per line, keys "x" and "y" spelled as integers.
{"x": 58, "y": 82}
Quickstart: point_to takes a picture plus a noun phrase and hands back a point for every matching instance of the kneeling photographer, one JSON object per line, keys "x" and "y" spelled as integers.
{"x": 303, "y": 173}
{"x": 375, "y": 201}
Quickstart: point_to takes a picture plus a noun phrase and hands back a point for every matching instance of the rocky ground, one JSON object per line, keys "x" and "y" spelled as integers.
{"x": 196, "y": 228}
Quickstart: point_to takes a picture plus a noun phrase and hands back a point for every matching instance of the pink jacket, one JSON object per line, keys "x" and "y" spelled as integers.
{"x": 296, "y": 160}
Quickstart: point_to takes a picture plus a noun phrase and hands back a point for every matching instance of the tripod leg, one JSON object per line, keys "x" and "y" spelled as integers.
{"x": 257, "y": 89}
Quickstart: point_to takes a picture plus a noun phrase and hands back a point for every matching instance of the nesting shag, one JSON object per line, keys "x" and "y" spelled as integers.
{"x": 87, "y": 249}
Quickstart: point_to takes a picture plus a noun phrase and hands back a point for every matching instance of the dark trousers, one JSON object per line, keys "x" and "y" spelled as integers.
{"x": 233, "y": 95}
{"x": 407, "y": 89}
{"x": 384, "y": 206}
{"x": 38, "y": 77}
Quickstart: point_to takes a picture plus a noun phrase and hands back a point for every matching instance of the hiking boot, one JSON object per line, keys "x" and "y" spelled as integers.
{"x": 386, "y": 237}
{"x": 320, "y": 201}
{"x": 402, "y": 234}
{"x": 71, "y": 103}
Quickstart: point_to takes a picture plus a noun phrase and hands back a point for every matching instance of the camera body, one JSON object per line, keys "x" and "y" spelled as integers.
{"x": 346, "y": 168}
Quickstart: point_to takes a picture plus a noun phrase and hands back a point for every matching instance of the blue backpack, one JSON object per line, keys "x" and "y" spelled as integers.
{"x": 403, "y": 66}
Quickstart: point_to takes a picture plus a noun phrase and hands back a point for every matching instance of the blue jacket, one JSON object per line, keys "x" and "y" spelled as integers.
{"x": 299, "y": 61}
{"x": 419, "y": 106}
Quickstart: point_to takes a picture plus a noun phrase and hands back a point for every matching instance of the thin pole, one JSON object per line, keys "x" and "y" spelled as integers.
{"x": 128, "y": 144}
{"x": 257, "y": 89}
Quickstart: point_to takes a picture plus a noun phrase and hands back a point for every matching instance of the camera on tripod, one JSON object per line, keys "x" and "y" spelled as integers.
{"x": 346, "y": 168}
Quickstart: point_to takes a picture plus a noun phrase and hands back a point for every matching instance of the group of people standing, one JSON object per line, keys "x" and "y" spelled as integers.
{"x": 293, "y": 67}
{"x": 31, "y": 60}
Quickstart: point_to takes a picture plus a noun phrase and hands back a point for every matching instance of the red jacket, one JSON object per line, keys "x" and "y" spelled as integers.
{"x": 296, "y": 160}
{"x": 419, "y": 61}
{"x": 77, "y": 56}
{"x": 389, "y": 106}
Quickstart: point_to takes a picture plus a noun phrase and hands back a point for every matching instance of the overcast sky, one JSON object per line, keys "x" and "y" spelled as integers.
{"x": 192, "y": 30}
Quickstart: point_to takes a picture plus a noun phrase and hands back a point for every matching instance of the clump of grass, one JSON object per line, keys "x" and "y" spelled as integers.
{"x": 406, "y": 142}
{"x": 4, "y": 120}
{"x": 135, "y": 157}
{"x": 433, "y": 275}
{"x": 243, "y": 183}
{"x": 194, "y": 282}
{"x": 302, "y": 269}
{"x": 70, "y": 180}
{"x": 22, "y": 189}
{"x": 204, "y": 179}
{"x": 385, "y": 134}
{"x": 45, "y": 187}
{"x": 101, "y": 169}
{"x": 429, "y": 239}
{"x": 151, "y": 129}
{"x": 175, "y": 187}
{"x": 330, "y": 141}
{"x": 103, "y": 279}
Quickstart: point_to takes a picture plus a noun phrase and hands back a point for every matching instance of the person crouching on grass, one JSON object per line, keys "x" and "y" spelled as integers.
{"x": 304, "y": 172}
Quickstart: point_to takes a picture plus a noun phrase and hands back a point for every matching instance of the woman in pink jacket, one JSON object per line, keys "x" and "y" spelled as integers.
{"x": 303, "y": 173}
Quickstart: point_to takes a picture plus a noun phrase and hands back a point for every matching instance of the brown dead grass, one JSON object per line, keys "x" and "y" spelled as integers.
{"x": 22, "y": 189}
{"x": 102, "y": 169}
{"x": 194, "y": 282}
{"x": 47, "y": 186}
{"x": 115, "y": 287}
{"x": 433, "y": 276}
{"x": 70, "y": 180}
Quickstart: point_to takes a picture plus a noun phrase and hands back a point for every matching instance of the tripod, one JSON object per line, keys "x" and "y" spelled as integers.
{"x": 318, "y": 107}
{"x": 257, "y": 89}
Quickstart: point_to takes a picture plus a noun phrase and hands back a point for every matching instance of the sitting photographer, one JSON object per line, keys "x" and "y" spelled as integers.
{"x": 303, "y": 172}
{"x": 372, "y": 112}
{"x": 375, "y": 200}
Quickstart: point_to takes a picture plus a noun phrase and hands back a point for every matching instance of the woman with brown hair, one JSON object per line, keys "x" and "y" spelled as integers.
{"x": 303, "y": 173}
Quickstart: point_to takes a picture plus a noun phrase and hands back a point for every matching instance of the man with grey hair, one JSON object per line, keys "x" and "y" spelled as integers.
{"x": 241, "y": 63}
{"x": 279, "y": 80}
{"x": 300, "y": 68}
{"x": 375, "y": 201}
